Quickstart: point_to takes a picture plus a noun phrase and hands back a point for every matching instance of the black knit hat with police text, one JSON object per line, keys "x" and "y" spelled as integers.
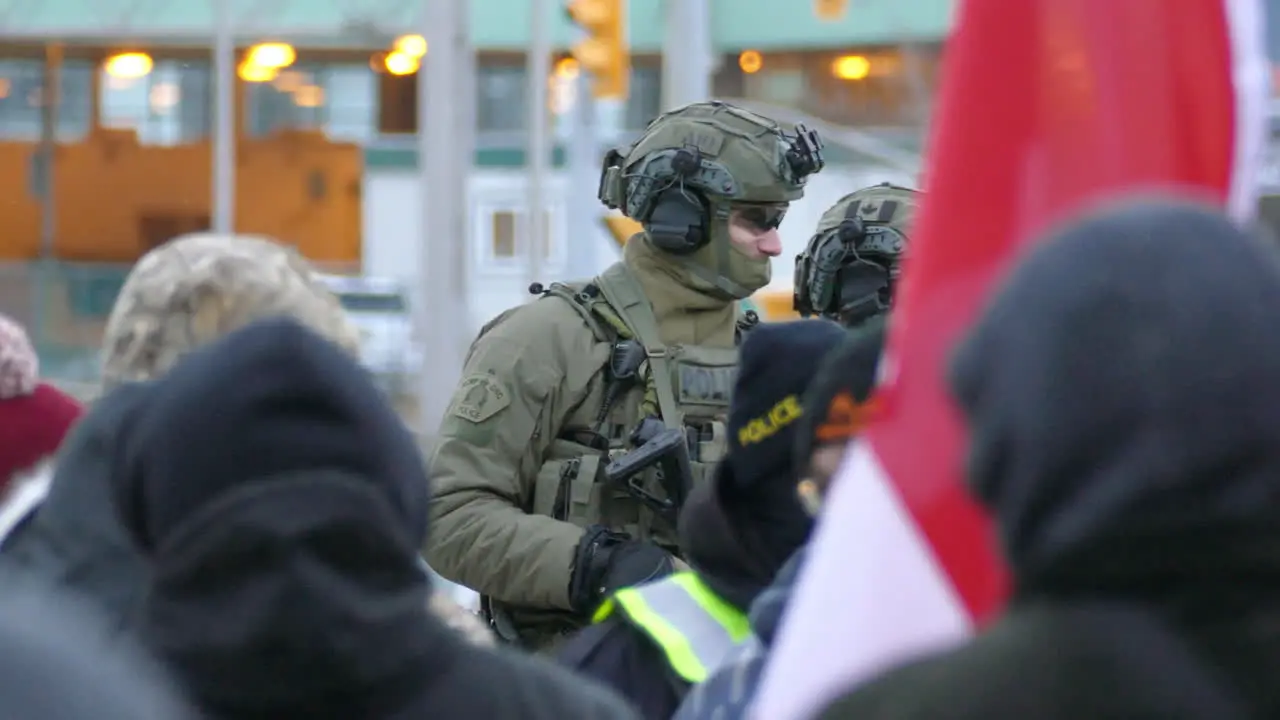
{"x": 776, "y": 365}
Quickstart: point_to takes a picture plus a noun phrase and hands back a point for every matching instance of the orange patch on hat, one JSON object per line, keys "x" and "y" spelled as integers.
{"x": 846, "y": 417}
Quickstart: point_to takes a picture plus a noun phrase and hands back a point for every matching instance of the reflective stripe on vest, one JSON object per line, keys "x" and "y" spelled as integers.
{"x": 694, "y": 628}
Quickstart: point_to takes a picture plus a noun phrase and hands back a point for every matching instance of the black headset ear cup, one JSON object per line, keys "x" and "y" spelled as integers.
{"x": 678, "y": 222}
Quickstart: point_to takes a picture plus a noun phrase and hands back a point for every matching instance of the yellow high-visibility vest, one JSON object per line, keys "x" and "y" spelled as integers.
{"x": 696, "y": 629}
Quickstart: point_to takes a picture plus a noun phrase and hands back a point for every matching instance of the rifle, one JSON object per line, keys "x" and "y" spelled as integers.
{"x": 667, "y": 450}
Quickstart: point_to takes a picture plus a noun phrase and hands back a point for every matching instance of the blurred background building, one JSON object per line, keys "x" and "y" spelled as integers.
{"x": 109, "y": 112}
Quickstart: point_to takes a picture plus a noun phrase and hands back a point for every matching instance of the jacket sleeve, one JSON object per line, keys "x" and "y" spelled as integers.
{"x": 496, "y": 431}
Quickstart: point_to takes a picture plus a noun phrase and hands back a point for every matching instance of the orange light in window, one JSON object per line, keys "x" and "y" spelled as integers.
{"x": 851, "y": 67}
{"x": 750, "y": 61}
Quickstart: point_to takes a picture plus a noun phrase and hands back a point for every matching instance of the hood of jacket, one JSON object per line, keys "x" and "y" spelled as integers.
{"x": 51, "y": 643}
{"x": 282, "y": 503}
{"x": 1124, "y": 405}
{"x": 1121, "y": 380}
{"x": 74, "y": 539}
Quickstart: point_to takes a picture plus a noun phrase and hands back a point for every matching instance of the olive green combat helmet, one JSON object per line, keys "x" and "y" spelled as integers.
{"x": 850, "y": 267}
{"x": 695, "y": 164}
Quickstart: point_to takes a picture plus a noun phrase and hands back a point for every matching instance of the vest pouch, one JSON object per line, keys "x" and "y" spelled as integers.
{"x": 703, "y": 380}
{"x": 569, "y": 483}
{"x": 714, "y": 446}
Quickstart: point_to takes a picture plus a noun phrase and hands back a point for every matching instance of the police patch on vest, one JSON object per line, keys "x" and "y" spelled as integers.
{"x": 705, "y": 385}
{"x": 479, "y": 397}
{"x": 785, "y": 412}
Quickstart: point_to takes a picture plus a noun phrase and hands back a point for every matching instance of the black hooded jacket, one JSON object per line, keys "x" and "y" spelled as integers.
{"x": 74, "y": 542}
{"x": 281, "y": 503}
{"x": 58, "y": 662}
{"x": 1123, "y": 394}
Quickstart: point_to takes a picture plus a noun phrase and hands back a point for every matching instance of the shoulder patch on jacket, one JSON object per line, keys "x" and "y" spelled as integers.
{"x": 480, "y": 396}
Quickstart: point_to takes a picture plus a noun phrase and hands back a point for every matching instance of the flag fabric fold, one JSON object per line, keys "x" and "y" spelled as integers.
{"x": 1046, "y": 106}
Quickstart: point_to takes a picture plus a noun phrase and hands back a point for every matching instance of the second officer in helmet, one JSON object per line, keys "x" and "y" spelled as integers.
{"x": 849, "y": 270}
{"x": 528, "y": 510}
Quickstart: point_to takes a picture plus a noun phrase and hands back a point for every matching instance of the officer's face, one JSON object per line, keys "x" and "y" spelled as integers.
{"x": 753, "y": 229}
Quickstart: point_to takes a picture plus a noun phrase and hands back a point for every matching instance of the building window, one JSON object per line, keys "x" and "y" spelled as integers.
{"x": 644, "y": 102}
{"x": 729, "y": 80}
{"x": 351, "y": 92}
{"x": 778, "y": 85}
{"x": 508, "y": 237}
{"x": 397, "y": 104}
{"x": 338, "y": 100}
{"x": 891, "y": 88}
{"x": 22, "y": 97}
{"x": 501, "y": 103}
{"x": 503, "y": 235}
{"x": 172, "y": 105}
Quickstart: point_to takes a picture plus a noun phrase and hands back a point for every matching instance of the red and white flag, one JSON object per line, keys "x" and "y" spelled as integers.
{"x": 1045, "y": 106}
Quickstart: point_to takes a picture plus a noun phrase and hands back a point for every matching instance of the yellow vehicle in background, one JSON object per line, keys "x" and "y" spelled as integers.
{"x": 775, "y": 304}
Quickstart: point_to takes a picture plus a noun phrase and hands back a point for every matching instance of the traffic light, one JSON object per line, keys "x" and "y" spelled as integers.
{"x": 830, "y": 10}
{"x": 603, "y": 52}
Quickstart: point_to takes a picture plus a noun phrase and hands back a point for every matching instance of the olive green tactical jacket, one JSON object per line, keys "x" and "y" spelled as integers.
{"x": 533, "y": 372}
{"x": 539, "y": 369}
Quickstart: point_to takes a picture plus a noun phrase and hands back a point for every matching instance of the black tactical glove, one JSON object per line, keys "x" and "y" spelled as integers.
{"x": 609, "y": 561}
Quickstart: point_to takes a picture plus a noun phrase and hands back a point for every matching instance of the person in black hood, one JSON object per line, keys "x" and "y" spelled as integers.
{"x": 837, "y": 406}
{"x": 1124, "y": 401}
{"x": 285, "y": 575}
{"x": 178, "y": 297}
{"x": 75, "y": 543}
{"x": 736, "y": 531}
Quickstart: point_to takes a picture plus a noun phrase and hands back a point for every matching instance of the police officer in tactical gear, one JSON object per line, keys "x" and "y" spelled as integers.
{"x": 850, "y": 267}
{"x": 652, "y": 642}
{"x": 529, "y": 509}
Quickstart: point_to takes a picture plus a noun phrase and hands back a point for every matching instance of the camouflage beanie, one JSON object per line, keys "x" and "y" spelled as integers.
{"x": 197, "y": 288}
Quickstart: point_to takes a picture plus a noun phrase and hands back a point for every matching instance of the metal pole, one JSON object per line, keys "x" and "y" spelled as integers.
{"x": 46, "y": 155}
{"x": 584, "y": 209}
{"x": 446, "y": 148}
{"x": 687, "y": 57}
{"x": 224, "y": 122}
{"x": 538, "y": 157}
{"x": 51, "y": 98}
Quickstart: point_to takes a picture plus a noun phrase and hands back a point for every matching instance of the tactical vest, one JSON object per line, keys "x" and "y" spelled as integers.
{"x": 687, "y": 387}
{"x": 697, "y": 631}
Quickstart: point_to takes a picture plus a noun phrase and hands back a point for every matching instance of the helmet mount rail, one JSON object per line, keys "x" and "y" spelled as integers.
{"x": 805, "y": 152}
